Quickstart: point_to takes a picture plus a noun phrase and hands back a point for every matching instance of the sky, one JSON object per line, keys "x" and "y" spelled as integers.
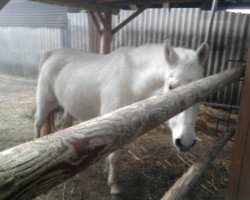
{"x": 243, "y": 11}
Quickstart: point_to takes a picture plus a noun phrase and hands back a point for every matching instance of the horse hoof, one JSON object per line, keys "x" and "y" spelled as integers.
{"x": 116, "y": 197}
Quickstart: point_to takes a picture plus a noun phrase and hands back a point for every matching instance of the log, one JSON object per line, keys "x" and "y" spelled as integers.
{"x": 183, "y": 185}
{"x": 35, "y": 167}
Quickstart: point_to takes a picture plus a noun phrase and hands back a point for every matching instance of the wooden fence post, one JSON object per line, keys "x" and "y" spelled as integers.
{"x": 239, "y": 182}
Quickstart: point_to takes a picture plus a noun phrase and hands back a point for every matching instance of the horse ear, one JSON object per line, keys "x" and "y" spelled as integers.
{"x": 170, "y": 54}
{"x": 202, "y": 53}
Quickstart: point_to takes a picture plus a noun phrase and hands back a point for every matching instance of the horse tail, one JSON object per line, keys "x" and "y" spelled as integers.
{"x": 49, "y": 125}
{"x": 43, "y": 58}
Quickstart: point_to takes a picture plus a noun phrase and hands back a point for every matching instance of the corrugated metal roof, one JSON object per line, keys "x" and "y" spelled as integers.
{"x": 32, "y": 14}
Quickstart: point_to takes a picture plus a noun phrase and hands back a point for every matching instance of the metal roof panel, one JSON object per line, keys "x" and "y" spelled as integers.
{"x": 32, "y": 14}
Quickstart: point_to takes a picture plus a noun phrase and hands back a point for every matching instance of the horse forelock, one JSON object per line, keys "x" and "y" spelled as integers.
{"x": 185, "y": 54}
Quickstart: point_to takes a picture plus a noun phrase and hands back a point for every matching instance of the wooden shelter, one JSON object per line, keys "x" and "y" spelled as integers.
{"x": 100, "y": 13}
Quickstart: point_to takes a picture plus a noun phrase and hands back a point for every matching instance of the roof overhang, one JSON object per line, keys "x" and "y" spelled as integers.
{"x": 115, "y": 5}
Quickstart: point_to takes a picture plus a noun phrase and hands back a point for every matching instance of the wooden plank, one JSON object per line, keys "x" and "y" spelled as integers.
{"x": 239, "y": 182}
{"x": 35, "y": 167}
{"x": 183, "y": 185}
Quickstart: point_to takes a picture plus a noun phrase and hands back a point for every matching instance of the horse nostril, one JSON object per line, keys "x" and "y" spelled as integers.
{"x": 178, "y": 143}
{"x": 194, "y": 142}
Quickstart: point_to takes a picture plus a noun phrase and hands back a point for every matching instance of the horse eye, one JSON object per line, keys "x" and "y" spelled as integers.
{"x": 170, "y": 87}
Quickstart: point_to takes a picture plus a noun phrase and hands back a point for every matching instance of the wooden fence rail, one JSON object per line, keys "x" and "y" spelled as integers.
{"x": 184, "y": 184}
{"x": 35, "y": 167}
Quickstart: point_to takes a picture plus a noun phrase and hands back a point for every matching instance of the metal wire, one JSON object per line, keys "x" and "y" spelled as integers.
{"x": 213, "y": 9}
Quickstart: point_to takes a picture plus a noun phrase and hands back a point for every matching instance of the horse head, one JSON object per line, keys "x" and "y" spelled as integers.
{"x": 185, "y": 66}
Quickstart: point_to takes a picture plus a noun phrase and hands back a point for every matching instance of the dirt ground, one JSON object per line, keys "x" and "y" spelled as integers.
{"x": 148, "y": 166}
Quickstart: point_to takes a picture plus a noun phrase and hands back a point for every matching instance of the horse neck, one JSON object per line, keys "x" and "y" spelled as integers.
{"x": 149, "y": 71}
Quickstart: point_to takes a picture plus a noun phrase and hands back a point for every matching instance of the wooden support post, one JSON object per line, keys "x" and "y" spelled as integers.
{"x": 106, "y": 36}
{"x": 94, "y": 32}
{"x": 37, "y": 166}
{"x": 239, "y": 182}
{"x": 100, "y": 32}
{"x": 103, "y": 36}
{"x": 182, "y": 186}
{"x": 96, "y": 22}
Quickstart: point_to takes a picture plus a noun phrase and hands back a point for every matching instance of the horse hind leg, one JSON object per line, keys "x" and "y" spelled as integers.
{"x": 44, "y": 119}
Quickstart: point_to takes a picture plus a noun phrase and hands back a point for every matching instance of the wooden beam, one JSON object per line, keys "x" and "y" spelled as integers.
{"x": 126, "y": 2}
{"x": 131, "y": 17}
{"x": 239, "y": 182}
{"x": 96, "y": 22}
{"x": 3, "y": 3}
{"x": 102, "y": 18}
{"x": 184, "y": 184}
{"x": 87, "y": 5}
{"x": 37, "y": 166}
{"x": 100, "y": 32}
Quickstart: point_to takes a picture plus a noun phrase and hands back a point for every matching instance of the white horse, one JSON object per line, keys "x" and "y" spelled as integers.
{"x": 87, "y": 85}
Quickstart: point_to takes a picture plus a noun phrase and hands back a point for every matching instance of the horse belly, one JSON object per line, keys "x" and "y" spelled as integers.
{"x": 85, "y": 109}
{"x": 78, "y": 95}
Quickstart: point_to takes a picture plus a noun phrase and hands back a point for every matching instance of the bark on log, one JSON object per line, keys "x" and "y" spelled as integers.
{"x": 183, "y": 185}
{"x": 35, "y": 167}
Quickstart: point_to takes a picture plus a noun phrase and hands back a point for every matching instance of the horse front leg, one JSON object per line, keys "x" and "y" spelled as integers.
{"x": 111, "y": 168}
{"x": 109, "y": 103}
